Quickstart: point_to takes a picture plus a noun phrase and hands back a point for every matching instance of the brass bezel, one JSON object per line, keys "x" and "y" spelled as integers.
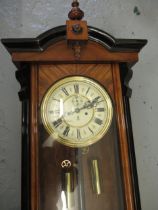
{"x": 54, "y": 134}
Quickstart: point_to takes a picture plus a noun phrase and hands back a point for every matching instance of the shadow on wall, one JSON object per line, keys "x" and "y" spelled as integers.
{"x": 10, "y": 148}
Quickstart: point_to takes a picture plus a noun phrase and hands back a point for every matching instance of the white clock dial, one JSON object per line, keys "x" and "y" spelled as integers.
{"x": 77, "y": 111}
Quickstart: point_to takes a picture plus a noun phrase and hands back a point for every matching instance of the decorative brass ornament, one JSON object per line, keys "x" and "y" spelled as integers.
{"x": 66, "y": 164}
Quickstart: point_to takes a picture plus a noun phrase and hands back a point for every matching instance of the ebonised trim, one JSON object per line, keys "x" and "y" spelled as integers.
{"x": 25, "y": 165}
{"x": 41, "y": 42}
{"x": 125, "y": 73}
{"x": 23, "y": 76}
{"x": 132, "y": 156}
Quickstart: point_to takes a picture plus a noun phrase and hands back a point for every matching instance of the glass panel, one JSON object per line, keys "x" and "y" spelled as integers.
{"x": 78, "y": 153}
{"x": 86, "y": 178}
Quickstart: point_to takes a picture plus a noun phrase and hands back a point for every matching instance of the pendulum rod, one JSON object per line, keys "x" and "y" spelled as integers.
{"x": 81, "y": 182}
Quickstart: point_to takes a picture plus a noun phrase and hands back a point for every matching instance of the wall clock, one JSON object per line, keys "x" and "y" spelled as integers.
{"x": 77, "y": 144}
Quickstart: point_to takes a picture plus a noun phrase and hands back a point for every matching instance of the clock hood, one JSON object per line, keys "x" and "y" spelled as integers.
{"x": 44, "y": 40}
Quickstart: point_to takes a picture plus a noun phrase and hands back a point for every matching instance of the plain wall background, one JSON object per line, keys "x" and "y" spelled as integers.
{"x": 122, "y": 19}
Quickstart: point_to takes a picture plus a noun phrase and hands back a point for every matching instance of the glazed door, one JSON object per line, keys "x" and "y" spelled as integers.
{"x": 86, "y": 178}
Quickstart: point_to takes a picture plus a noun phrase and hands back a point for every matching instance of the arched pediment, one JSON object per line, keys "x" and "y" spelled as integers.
{"x": 44, "y": 40}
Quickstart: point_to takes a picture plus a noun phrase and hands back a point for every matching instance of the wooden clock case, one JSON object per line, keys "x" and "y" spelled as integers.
{"x": 46, "y": 59}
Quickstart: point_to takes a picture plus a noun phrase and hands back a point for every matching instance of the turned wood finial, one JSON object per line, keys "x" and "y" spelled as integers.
{"x": 76, "y": 13}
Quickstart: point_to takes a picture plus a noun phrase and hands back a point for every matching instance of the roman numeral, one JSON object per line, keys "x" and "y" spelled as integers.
{"x": 87, "y": 90}
{"x": 65, "y": 91}
{"x": 96, "y": 98}
{"x": 76, "y": 88}
{"x": 54, "y": 111}
{"x": 78, "y": 134}
{"x": 54, "y": 99}
{"x": 98, "y": 121}
{"x": 57, "y": 122}
{"x": 90, "y": 130}
{"x": 100, "y": 110}
{"x": 100, "y": 101}
{"x": 66, "y": 131}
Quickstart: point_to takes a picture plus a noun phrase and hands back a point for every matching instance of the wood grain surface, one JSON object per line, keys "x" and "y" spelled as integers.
{"x": 34, "y": 145}
{"x": 60, "y": 52}
{"x": 124, "y": 153}
{"x": 49, "y": 74}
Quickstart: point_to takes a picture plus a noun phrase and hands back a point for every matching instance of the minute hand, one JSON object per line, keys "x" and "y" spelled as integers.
{"x": 95, "y": 100}
{"x": 90, "y": 104}
{"x": 87, "y": 105}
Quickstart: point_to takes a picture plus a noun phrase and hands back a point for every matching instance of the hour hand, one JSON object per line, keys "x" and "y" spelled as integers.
{"x": 93, "y": 102}
{"x": 89, "y": 104}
